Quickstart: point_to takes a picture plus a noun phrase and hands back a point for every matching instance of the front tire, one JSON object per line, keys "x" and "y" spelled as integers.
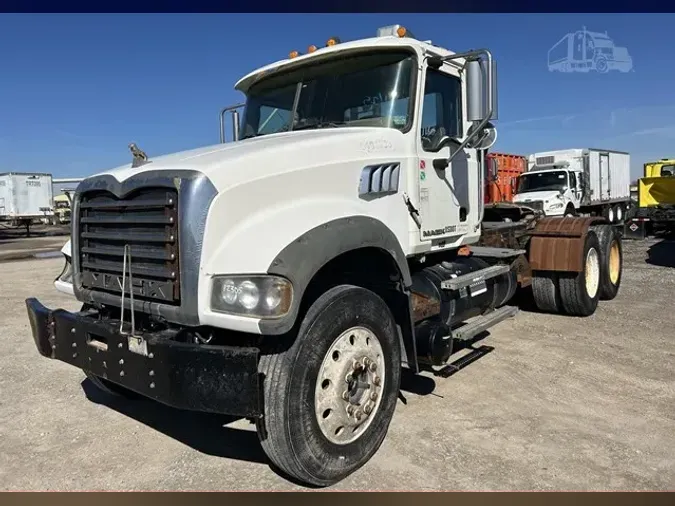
{"x": 330, "y": 396}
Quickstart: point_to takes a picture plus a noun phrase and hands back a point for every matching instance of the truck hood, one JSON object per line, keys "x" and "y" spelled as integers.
{"x": 532, "y": 196}
{"x": 233, "y": 163}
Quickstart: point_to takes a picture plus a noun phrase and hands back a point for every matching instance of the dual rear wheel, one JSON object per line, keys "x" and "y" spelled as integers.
{"x": 577, "y": 294}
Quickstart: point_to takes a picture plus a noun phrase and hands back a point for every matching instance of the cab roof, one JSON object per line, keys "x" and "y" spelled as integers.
{"x": 323, "y": 53}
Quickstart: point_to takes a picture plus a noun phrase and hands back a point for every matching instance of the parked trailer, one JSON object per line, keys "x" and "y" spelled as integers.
{"x": 577, "y": 182}
{"x": 502, "y": 176}
{"x": 25, "y": 197}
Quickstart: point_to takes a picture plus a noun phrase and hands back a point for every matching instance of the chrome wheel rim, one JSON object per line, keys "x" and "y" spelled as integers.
{"x": 349, "y": 385}
{"x": 592, "y": 272}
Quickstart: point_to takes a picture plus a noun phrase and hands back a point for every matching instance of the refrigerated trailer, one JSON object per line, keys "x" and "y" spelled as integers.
{"x": 25, "y": 197}
{"x": 573, "y": 182}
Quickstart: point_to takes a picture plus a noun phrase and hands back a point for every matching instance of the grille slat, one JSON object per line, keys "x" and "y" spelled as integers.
{"x": 136, "y": 252}
{"x": 124, "y": 236}
{"x": 124, "y": 220}
{"x": 146, "y": 221}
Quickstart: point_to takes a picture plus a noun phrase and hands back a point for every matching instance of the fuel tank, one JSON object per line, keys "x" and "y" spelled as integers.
{"x": 437, "y": 311}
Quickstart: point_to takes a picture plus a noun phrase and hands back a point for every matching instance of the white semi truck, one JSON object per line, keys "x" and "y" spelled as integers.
{"x": 289, "y": 276}
{"x": 576, "y": 182}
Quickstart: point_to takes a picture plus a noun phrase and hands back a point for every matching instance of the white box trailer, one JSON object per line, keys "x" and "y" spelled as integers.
{"x": 25, "y": 197}
{"x": 577, "y": 182}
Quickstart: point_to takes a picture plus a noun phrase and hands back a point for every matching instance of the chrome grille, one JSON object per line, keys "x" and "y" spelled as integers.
{"x": 146, "y": 220}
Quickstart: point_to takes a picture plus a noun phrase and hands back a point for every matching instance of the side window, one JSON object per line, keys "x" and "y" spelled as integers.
{"x": 573, "y": 181}
{"x": 441, "y": 108}
{"x": 668, "y": 170}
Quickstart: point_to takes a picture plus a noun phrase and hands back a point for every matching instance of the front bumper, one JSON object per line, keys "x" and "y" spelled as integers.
{"x": 217, "y": 379}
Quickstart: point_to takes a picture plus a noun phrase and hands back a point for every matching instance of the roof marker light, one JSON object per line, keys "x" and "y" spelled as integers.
{"x": 311, "y": 48}
{"x": 332, "y": 41}
{"x": 293, "y": 54}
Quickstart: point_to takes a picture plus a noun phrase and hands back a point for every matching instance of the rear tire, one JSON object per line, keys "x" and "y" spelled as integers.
{"x": 611, "y": 261}
{"x": 310, "y": 429}
{"x": 579, "y": 292}
{"x": 545, "y": 292}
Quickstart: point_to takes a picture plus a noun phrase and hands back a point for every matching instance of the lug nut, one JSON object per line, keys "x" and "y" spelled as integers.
{"x": 373, "y": 396}
{"x": 121, "y": 373}
{"x": 366, "y": 361}
{"x": 350, "y": 410}
{"x": 376, "y": 380}
{"x": 349, "y": 378}
{"x": 72, "y": 331}
{"x": 121, "y": 361}
{"x": 151, "y": 373}
{"x": 373, "y": 367}
{"x": 152, "y": 385}
{"x": 367, "y": 409}
{"x": 119, "y": 345}
{"x": 358, "y": 414}
{"x": 345, "y": 395}
{"x": 74, "y": 345}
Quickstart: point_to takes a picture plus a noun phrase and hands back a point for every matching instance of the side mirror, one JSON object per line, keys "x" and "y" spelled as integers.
{"x": 481, "y": 90}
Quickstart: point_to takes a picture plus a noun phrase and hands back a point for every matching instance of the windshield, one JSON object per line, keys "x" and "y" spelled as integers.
{"x": 544, "y": 180}
{"x": 365, "y": 90}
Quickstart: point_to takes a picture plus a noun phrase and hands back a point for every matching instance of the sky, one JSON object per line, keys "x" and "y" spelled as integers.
{"x": 75, "y": 90}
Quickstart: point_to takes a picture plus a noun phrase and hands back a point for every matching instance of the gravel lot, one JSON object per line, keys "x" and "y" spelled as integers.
{"x": 560, "y": 403}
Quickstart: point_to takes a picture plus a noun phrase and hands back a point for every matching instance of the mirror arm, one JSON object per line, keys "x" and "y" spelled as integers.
{"x": 221, "y": 117}
{"x": 468, "y": 56}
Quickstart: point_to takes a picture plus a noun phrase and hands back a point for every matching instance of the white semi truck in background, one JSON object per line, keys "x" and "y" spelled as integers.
{"x": 290, "y": 275}
{"x": 577, "y": 182}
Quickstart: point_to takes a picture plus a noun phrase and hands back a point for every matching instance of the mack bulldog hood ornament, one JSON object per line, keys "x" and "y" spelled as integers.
{"x": 140, "y": 158}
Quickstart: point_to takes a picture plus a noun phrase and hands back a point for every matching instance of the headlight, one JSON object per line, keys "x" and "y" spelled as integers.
{"x": 255, "y": 296}
{"x": 557, "y": 205}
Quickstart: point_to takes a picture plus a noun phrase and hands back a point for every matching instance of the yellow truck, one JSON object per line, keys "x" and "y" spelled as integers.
{"x": 655, "y": 209}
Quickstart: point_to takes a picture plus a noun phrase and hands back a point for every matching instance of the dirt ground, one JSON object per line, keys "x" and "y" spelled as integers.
{"x": 559, "y": 403}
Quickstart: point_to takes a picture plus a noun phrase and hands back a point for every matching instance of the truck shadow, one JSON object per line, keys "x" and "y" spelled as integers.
{"x": 205, "y": 432}
{"x": 662, "y": 253}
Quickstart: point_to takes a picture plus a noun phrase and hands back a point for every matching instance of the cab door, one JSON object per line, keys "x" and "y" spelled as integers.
{"x": 448, "y": 196}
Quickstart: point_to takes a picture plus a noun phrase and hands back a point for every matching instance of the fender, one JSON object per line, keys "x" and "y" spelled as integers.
{"x": 302, "y": 259}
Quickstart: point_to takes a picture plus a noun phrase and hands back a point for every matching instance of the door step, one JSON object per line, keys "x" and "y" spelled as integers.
{"x": 484, "y": 322}
{"x": 475, "y": 277}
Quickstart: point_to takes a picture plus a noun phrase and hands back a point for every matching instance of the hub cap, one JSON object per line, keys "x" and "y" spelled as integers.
{"x": 614, "y": 262}
{"x": 349, "y": 385}
{"x": 592, "y": 272}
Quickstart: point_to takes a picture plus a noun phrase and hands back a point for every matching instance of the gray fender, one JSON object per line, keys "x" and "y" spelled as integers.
{"x": 302, "y": 259}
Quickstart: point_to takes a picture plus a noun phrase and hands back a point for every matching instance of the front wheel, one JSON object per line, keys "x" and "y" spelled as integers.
{"x": 329, "y": 397}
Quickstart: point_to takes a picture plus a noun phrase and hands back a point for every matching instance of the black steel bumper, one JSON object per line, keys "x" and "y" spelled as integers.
{"x": 217, "y": 379}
